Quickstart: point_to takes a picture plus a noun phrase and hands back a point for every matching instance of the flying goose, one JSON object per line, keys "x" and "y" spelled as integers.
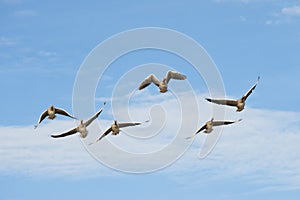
{"x": 208, "y": 126}
{"x": 50, "y": 112}
{"x": 163, "y": 85}
{"x": 240, "y": 103}
{"x": 115, "y": 128}
{"x": 82, "y": 128}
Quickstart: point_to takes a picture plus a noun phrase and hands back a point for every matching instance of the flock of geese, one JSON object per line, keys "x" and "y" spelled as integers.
{"x": 163, "y": 87}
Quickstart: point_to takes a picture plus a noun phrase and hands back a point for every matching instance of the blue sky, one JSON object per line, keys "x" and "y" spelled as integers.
{"x": 44, "y": 43}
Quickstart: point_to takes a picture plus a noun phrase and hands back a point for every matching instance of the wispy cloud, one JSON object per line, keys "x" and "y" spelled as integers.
{"x": 5, "y": 41}
{"x": 286, "y": 15}
{"x": 294, "y": 10}
{"x": 47, "y": 53}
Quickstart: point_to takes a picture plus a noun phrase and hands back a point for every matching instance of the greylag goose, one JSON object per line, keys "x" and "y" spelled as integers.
{"x": 50, "y": 112}
{"x": 163, "y": 85}
{"x": 208, "y": 126}
{"x": 240, "y": 103}
{"x": 82, "y": 128}
{"x": 115, "y": 128}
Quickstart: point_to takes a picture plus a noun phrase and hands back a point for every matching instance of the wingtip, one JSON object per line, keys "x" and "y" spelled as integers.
{"x": 54, "y": 136}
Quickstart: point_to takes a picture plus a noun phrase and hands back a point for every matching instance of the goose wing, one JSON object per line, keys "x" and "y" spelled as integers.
{"x": 199, "y": 130}
{"x": 147, "y": 81}
{"x": 219, "y": 123}
{"x": 126, "y": 124}
{"x": 89, "y": 121}
{"x": 174, "y": 75}
{"x": 63, "y": 112}
{"x": 42, "y": 117}
{"x": 228, "y": 102}
{"x": 245, "y": 96}
{"x": 104, "y": 134}
{"x": 70, "y": 132}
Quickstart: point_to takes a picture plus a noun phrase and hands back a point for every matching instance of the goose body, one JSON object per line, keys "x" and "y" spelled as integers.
{"x": 239, "y": 103}
{"x": 51, "y": 114}
{"x": 162, "y": 85}
{"x": 208, "y": 126}
{"x": 115, "y": 128}
{"x": 81, "y": 128}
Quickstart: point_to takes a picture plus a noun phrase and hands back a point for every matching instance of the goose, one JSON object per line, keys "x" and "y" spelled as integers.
{"x": 115, "y": 128}
{"x": 208, "y": 126}
{"x": 240, "y": 103}
{"x": 81, "y": 128}
{"x": 163, "y": 85}
{"x": 50, "y": 112}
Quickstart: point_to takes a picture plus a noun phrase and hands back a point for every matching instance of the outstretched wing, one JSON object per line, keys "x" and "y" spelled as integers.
{"x": 147, "y": 81}
{"x": 70, "y": 132}
{"x": 63, "y": 112}
{"x": 42, "y": 117}
{"x": 174, "y": 75}
{"x": 126, "y": 124}
{"x": 200, "y": 129}
{"x": 227, "y": 102}
{"x": 219, "y": 123}
{"x": 245, "y": 96}
{"x": 89, "y": 121}
{"x": 104, "y": 134}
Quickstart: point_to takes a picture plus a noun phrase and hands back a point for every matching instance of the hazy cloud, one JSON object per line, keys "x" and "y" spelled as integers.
{"x": 5, "y": 41}
{"x": 261, "y": 150}
{"x": 294, "y": 10}
{"x": 47, "y": 53}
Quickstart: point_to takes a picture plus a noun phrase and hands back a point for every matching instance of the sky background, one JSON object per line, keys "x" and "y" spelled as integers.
{"x": 44, "y": 43}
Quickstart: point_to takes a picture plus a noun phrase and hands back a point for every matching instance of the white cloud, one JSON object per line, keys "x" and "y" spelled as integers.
{"x": 34, "y": 153}
{"x": 294, "y": 10}
{"x": 287, "y": 15}
{"x": 262, "y": 150}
